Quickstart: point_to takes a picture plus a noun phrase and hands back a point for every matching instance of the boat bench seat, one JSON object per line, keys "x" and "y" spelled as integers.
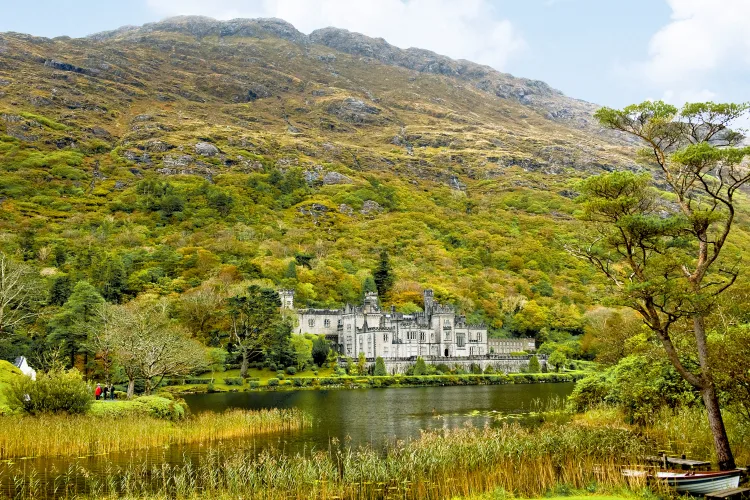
{"x": 730, "y": 494}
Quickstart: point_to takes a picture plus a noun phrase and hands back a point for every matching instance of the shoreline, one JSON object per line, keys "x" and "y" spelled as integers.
{"x": 378, "y": 382}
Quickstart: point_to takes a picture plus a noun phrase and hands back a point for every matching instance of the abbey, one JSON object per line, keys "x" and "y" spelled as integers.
{"x": 438, "y": 331}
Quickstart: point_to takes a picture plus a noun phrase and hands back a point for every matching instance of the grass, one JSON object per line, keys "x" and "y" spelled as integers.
{"x": 438, "y": 465}
{"x": 64, "y": 435}
{"x": 472, "y": 464}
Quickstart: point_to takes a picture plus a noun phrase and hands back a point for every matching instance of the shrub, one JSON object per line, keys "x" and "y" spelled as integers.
{"x": 198, "y": 381}
{"x": 475, "y": 369}
{"x": 56, "y": 391}
{"x": 489, "y": 370}
{"x": 254, "y": 384}
{"x": 291, "y": 370}
{"x": 234, "y": 381}
{"x": 280, "y": 375}
{"x": 380, "y": 367}
{"x": 153, "y": 406}
{"x": 315, "y": 373}
{"x": 442, "y": 368}
{"x": 320, "y": 350}
{"x": 272, "y": 382}
{"x": 272, "y": 367}
{"x": 420, "y": 368}
{"x": 534, "y": 365}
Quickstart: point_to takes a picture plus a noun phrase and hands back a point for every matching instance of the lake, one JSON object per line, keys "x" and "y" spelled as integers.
{"x": 353, "y": 416}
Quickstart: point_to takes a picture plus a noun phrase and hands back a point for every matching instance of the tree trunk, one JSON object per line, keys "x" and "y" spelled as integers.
{"x": 243, "y": 367}
{"x": 711, "y": 400}
{"x": 131, "y": 387}
{"x": 716, "y": 422}
{"x": 147, "y": 389}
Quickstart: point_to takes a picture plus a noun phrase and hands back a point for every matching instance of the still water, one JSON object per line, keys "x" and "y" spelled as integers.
{"x": 379, "y": 416}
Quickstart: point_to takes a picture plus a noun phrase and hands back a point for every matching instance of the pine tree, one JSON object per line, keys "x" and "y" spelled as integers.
{"x": 320, "y": 350}
{"x": 534, "y": 365}
{"x": 383, "y": 275}
{"x": 69, "y": 325}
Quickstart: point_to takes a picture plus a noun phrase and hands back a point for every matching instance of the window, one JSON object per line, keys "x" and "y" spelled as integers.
{"x": 349, "y": 327}
{"x": 385, "y": 337}
{"x": 310, "y": 322}
{"x": 460, "y": 340}
{"x": 421, "y": 337}
{"x": 479, "y": 336}
{"x": 411, "y": 335}
{"x": 327, "y": 323}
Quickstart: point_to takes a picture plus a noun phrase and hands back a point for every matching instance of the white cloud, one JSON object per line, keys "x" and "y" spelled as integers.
{"x": 467, "y": 29}
{"x": 704, "y": 40}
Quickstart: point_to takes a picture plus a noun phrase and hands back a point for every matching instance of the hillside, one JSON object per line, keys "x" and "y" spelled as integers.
{"x": 162, "y": 157}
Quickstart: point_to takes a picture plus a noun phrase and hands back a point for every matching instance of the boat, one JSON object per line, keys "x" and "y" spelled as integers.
{"x": 693, "y": 482}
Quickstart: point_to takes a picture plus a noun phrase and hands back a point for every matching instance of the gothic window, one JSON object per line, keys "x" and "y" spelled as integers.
{"x": 349, "y": 328}
{"x": 479, "y": 336}
{"x": 310, "y": 322}
{"x": 411, "y": 335}
{"x": 421, "y": 337}
{"x": 385, "y": 337}
{"x": 327, "y": 323}
{"x": 460, "y": 340}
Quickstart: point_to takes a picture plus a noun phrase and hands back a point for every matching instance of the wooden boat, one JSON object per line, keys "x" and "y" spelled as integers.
{"x": 693, "y": 482}
{"x": 699, "y": 482}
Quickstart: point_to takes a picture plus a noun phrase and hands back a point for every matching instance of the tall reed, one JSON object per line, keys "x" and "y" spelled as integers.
{"x": 62, "y": 435}
{"x": 439, "y": 465}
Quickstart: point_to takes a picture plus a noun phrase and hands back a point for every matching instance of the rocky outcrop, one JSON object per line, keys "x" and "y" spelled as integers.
{"x": 356, "y": 111}
{"x": 206, "y": 149}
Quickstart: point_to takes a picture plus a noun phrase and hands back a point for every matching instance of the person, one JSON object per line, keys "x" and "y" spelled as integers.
{"x": 98, "y": 391}
{"x": 104, "y": 392}
{"x": 111, "y": 391}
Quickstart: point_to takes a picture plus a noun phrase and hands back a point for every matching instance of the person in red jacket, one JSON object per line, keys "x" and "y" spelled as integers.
{"x": 98, "y": 391}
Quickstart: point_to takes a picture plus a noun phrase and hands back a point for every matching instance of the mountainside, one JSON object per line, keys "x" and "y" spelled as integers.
{"x": 192, "y": 151}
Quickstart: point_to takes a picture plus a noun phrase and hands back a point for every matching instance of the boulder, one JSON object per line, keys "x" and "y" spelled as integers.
{"x": 206, "y": 149}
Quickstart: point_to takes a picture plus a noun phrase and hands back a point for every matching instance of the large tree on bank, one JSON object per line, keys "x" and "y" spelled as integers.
{"x": 663, "y": 252}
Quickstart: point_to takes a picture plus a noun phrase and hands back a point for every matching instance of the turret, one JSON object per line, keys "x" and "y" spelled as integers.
{"x": 429, "y": 301}
{"x": 371, "y": 302}
{"x": 287, "y": 299}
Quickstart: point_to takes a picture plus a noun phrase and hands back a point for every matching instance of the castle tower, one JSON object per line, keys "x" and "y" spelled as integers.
{"x": 287, "y": 299}
{"x": 371, "y": 302}
{"x": 429, "y": 301}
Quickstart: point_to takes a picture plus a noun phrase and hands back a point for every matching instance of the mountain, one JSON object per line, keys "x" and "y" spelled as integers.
{"x": 190, "y": 151}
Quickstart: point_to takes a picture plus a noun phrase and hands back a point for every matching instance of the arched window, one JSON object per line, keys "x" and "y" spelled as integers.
{"x": 311, "y": 322}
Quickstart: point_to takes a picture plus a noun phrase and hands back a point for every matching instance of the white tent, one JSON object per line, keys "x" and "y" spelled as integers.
{"x": 23, "y": 365}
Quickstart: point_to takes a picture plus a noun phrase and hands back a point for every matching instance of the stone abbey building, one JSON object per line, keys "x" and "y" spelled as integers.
{"x": 438, "y": 331}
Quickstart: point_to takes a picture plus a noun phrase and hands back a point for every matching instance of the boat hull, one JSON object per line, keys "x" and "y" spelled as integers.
{"x": 701, "y": 483}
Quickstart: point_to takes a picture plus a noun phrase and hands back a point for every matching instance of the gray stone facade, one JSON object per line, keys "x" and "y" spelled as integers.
{"x": 507, "y": 346}
{"x": 437, "y": 332}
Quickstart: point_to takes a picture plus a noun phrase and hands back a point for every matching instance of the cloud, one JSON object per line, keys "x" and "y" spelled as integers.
{"x": 469, "y": 29}
{"x": 704, "y": 41}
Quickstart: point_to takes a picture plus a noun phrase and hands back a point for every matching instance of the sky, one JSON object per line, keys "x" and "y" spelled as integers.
{"x": 609, "y": 52}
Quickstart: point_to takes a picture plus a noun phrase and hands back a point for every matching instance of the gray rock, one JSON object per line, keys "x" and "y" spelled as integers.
{"x": 354, "y": 111}
{"x": 371, "y": 207}
{"x": 336, "y": 178}
{"x": 206, "y": 149}
{"x": 143, "y": 118}
{"x": 346, "y": 209}
{"x": 157, "y": 146}
{"x": 177, "y": 161}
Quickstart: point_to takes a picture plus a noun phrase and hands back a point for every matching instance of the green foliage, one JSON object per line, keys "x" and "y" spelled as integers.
{"x": 380, "y": 370}
{"x": 420, "y": 368}
{"x": 52, "y": 392}
{"x": 152, "y": 406}
{"x": 557, "y": 359}
{"x": 383, "y": 275}
{"x": 320, "y": 350}
{"x": 272, "y": 382}
{"x": 637, "y": 384}
{"x": 534, "y": 366}
{"x": 234, "y": 381}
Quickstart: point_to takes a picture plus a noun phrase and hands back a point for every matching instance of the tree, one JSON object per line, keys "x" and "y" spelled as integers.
{"x": 380, "y": 367}
{"x": 361, "y": 360}
{"x": 291, "y": 270}
{"x": 420, "y": 368}
{"x": 18, "y": 290}
{"x": 383, "y": 274}
{"x": 320, "y": 350}
{"x": 255, "y": 318}
{"x": 534, "y": 365}
{"x": 557, "y": 359}
{"x": 664, "y": 258}
{"x": 200, "y": 308}
{"x": 148, "y": 345}
{"x": 302, "y": 350}
{"x": 69, "y": 326}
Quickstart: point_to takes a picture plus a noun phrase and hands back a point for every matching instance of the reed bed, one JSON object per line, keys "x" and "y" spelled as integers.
{"x": 62, "y": 435}
{"x": 523, "y": 462}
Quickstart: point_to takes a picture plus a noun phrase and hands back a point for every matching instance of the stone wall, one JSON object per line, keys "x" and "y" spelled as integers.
{"x": 501, "y": 363}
